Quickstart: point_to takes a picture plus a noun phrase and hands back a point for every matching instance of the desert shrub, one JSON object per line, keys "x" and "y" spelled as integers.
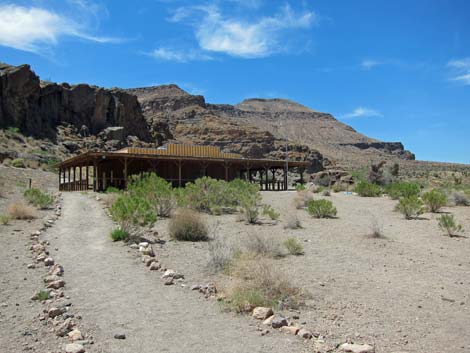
{"x": 157, "y": 191}
{"x": 301, "y": 198}
{"x": 300, "y": 187}
{"x": 4, "y": 219}
{"x": 42, "y": 295}
{"x": 221, "y": 253}
{"x": 459, "y": 198}
{"x": 187, "y": 225}
{"x": 12, "y": 130}
{"x": 404, "y": 189}
{"x": 130, "y": 209}
{"x": 448, "y": 224}
{"x": 410, "y": 207}
{"x": 376, "y": 229}
{"x": 326, "y": 193}
{"x": 292, "y": 222}
{"x": 270, "y": 212}
{"x": 249, "y": 208}
{"x": 376, "y": 173}
{"x": 18, "y": 163}
{"x": 119, "y": 234}
{"x": 338, "y": 187}
{"x": 367, "y": 189}
{"x": 38, "y": 198}
{"x": 112, "y": 190}
{"x": 264, "y": 245}
{"x": 293, "y": 246}
{"x": 395, "y": 170}
{"x": 258, "y": 282}
{"x": 19, "y": 210}
{"x": 321, "y": 209}
{"x": 434, "y": 200}
{"x": 207, "y": 194}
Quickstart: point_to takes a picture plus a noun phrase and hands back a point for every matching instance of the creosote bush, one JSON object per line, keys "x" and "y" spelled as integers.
{"x": 119, "y": 234}
{"x": 270, "y": 212}
{"x": 293, "y": 246}
{"x": 448, "y": 224}
{"x": 367, "y": 189}
{"x": 321, "y": 209}
{"x": 411, "y": 207}
{"x": 19, "y": 210}
{"x": 38, "y": 198}
{"x": 4, "y": 219}
{"x": 188, "y": 225}
{"x": 434, "y": 200}
{"x": 404, "y": 189}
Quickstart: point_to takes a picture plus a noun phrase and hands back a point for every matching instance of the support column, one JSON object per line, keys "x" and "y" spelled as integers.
{"x": 227, "y": 167}
{"x": 273, "y": 171}
{"x": 68, "y": 179}
{"x": 60, "y": 176}
{"x": 179, "y": 173}
{"x": 285, "y": 178}
{"x": 95, "y": 176}
{"x": 125, "y": 173}
{"x": 87, "y": 177}
{"x": 266, "y": 172}
{"x": 81, "y": 179}
{"x": 104, "y": 181}
{"x": 302, "y": 176}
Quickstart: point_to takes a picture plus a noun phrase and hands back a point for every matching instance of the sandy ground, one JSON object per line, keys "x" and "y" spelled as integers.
{"x": 409, "y": 292}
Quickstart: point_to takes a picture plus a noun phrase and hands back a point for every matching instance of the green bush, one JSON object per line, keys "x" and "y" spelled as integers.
{"x": 18, "y": 163}
{"x": 249, "y": 207}
{"x": 42, "y": 295}
{"x": 270, "y": 212}
{"x": 13, "y": 130}
{"x": 156, "y": 191}
{"x": 130, "y": 209}
{"x": 321, "y": 209}
{"x": 448, "y": 224}
{"x": 404, "y": 189}
{"x": 366, "y": 189}
{"x": 112, "y": 190}
{"x": 4, "y": 219}
{"x": 410, "y": 206}
{"x": 435, "y": 200}
{"x": 38, "y": 198}
{"x": 119, "y": 234}
{"x": 300, "y": 187}
{"x": 187, "y": 225}
{"x": 293, "y": 246}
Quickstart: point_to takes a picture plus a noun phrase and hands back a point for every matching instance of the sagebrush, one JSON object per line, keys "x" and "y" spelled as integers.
{"x": 188, "y": 225}
{"x": 448, "y": 224}
{"x": 321, "y": 209}
{"x": 411, "y": 207}
{"x": 38, "y": 198}
{"x": 435, "y": 200}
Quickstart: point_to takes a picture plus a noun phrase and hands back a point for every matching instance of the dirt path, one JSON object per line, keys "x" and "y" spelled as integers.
{"x": 114, "y": 292}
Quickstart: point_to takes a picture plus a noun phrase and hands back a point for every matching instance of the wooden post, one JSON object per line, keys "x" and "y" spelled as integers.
{"x": 68, "y": 179}
{"x": 179, "y": 173}
{"x": 302, "y": 176}
{"x": 125, "y": 173}
{"x": 60, "y": 176}
{"x": 226, "y": 166}
{"x": 87, "y": 177}
{"x": 266, "y": 170}
{"x": 104, "y": 180}
{"x": 95, "y": 176}
{"x": 81, "y": 182}
{"x": 273, "y": 171}
{"x": 285, "y": 178}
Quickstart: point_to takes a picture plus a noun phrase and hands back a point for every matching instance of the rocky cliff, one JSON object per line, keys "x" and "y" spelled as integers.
{"x": 37, "y": 107}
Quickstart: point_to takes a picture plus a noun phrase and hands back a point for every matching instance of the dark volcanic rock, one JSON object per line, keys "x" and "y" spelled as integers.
{"x": 37, "y": 108}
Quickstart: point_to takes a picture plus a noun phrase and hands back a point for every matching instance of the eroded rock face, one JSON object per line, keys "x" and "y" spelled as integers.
{"x": 37, "y": 107}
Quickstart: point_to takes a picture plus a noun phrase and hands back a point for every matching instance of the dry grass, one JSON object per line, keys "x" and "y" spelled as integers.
{"x": 188, "y": 225}
{"x": 19, "y": 210}
{"x": 257, "y": 281}
{"x": 302, "y": 198}
{"x": 292, "y": 222}
{"x": 377, "y": 230}
{"x": 264, "y": 245}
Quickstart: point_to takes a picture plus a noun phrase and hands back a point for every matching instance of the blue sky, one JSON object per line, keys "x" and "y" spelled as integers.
{"x": 394, "y": 70}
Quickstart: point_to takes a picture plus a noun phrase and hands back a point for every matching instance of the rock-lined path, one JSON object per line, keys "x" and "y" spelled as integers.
{"x": 114, "y": 293}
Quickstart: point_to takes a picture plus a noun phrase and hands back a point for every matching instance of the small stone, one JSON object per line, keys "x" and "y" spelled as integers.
{"x": 149, "y": 261}
{"x": 49, "y": 261}
{"x": 75, "y": 335}
{"x": 74, "y": 348}
{"x": 41, "y": 257}
{"x": 53, "y": 312}
{"x": 51, "y": 278}
{"x": 196, "y": 287}
{"x": 134, "y": 246}
{"x": 154, "y": 266}
{"x": 169, "y": 281}
{"x": 67, "y": 326}
{"x": 56, "y": 270}
{"x": 262, "y": 313}
{"x": 120, "y": 336}
{"x": 168, "y": 274}
{"x": 143, "y": 244}
{"x": 304, "y": 333}
{"x": 356, "y": 348}
{"x": 148, "y": 250}
{"x": 292, "y": 330}
{"x": 56, "y": 284}
{"x": 38, "y": 248}
{"x": 269, "y": 320}
{"x": 31, "y": 266}
{"x": 264, "y": 332}
{"x": 279, "y": 321}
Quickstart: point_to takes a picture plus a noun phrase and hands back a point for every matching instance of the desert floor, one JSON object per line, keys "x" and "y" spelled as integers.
{"x": 407, "y": 292}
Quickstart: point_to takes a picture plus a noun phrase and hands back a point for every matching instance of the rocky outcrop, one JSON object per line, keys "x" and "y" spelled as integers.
{"x": 394, "y": 148}
{"x": 37, "y": 108}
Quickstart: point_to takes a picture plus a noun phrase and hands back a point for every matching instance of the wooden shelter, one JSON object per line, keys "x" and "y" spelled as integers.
{"x": 178, "y": 164}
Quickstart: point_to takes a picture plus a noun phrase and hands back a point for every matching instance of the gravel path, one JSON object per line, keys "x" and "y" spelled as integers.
{"x": 113, "y": 292}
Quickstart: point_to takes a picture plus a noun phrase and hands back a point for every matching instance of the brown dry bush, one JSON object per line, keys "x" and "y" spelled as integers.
{"x": 188, "y": 225}
{"x": 292, "y": 222}
{"x": 302, "y": 198}
{"x": 19, "y": 210}
{"x": 264, "y": 245}
{"x": 257, "y": 281}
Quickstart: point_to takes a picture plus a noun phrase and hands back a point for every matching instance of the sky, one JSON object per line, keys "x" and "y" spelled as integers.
{"x": 394, "y": 70}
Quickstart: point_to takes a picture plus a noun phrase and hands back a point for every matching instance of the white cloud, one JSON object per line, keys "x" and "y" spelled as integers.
{"x": 368, "y": 64}
{"x": 239, "y": 37}
{"x": 460, "y": 71}
{"x": 35, "y": 29}
{"x": 363, "y": 112}
{"x": 181, "y": 56}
